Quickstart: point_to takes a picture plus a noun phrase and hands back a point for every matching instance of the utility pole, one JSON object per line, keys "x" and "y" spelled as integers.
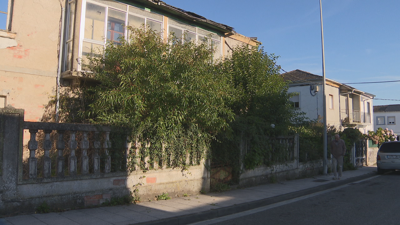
{"x": 324, "y": 91}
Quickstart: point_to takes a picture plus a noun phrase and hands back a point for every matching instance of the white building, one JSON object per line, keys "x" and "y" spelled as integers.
{"x": 387, "y": 116}
{"x": 345, "y": 105}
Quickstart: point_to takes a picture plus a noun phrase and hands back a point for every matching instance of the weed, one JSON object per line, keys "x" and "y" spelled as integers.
{"x": 273, "y": 179}
{"x": 124, "y": 200}
{"x": 185, "y": 195}
{"x": 43, "y": 208}
{"x": 220, "y": 187}
{"x": 163, "y": 196}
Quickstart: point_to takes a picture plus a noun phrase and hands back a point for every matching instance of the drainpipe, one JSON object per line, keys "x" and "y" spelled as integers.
{"x": 60, "y": 62}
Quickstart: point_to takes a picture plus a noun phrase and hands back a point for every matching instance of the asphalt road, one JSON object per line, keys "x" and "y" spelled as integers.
{"x": 373, "y": 201}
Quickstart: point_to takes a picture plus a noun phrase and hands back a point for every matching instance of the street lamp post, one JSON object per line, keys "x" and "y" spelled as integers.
{"x": 324, "y": 91}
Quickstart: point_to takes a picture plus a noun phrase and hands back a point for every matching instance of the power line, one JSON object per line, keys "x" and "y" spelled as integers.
{"x": 374, "y": 82}
{"x": 370, "y": 82}
{"x": 386, "y": 99}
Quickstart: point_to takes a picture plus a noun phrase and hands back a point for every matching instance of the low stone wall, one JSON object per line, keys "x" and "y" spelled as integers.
{"x": 90, "y": 192}
{"x": 371, "y": 156}
{"x": 176, "y": 182}
{"x": 287, "y": 171}
{"x": 72, "y": 181}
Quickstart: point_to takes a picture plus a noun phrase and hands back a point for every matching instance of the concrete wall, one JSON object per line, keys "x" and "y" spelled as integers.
{"x": 311, "y": 105}
{"x": 23, "y": 193}
{"x": 263, "y": 174}
{"x": 371, "y": 155}
{"x": 29, "y": 56}
{"x": 333, "y": 114}
{"x": 395, "y": 127}
{"x": 91, "y": 192}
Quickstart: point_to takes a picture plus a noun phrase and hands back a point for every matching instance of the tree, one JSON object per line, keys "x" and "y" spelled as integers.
{"x": 261, "y": 107}
{"x": 168, "y": 94}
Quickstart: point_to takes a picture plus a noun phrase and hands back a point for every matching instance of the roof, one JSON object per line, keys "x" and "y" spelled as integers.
{"x": 190, "y": 16}
{"x": 300, "y": 77}
{"x": 387, "y": 108}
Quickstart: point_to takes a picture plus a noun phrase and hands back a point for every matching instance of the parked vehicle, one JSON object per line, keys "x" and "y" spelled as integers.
{"x": 388, "y": 157}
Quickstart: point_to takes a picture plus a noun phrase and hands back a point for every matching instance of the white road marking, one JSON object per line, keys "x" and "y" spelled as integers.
{"x": 257, "y": 210}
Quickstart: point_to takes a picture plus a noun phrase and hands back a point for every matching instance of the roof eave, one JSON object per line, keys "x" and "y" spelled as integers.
{"x": 162, "y": 6}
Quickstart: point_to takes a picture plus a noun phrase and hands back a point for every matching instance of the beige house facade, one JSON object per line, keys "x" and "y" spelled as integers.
{"x": 44, "y": 44}
{"x": 345, "y": 105}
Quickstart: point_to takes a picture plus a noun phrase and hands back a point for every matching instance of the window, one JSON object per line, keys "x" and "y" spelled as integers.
{"x": 69, "y": 35}
{"x": 295, "y": 99}
{"x": 185, "y": 32}
{"x": 346, "y": 106}
{"x": 330, "y": 102}
{"x": 5, "y": 14}
{"x": 107, "y": 22}
{"x": 115, "y": 26}
{"x": 380, "y": 120}
{"x": 391, "y": 120}
{"x": 3, "y": 101}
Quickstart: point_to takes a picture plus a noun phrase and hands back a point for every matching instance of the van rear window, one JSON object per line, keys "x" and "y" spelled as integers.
{"x": 390, "y": 147}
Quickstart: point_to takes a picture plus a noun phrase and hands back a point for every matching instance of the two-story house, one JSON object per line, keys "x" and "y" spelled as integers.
{"x": 345, "y": 105}
{"x": 44, "y": 44}
{"x": 387, "y": 116}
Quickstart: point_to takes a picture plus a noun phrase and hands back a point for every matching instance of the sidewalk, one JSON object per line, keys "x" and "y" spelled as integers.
{"x": 191, "y": 209}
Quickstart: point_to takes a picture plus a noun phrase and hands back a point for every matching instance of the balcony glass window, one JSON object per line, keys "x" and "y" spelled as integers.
{"x": 115, "y": 26}
{"x": 99, "y": 28}
{"x": 185, "y": 32}
{"x": 94, "y": 22}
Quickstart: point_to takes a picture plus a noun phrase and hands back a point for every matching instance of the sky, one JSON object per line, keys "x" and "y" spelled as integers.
{"x": 362, "y": 37}
{"x": 3, "y": 16}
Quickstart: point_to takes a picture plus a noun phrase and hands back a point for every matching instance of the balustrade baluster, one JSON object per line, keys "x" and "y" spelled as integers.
{"x": 96, "y": 157}
{"x": 32, "y": 146}
{"x": 60, "y": 157}
{"x": 107, "y": 145}
{"x": 72, "y": 157}
{"x": 46, "y": 157}
{"x": 85, "y": 158}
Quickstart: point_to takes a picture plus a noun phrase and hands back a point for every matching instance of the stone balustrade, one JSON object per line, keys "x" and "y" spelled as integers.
{"x": 101, "y": 141}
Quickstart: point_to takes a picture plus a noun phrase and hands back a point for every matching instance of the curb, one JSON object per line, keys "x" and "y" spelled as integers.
{"x": 229, "y": 210}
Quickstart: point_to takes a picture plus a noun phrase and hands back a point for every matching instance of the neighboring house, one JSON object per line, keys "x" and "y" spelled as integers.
{"x": 43, "y": 44}
{"x": 345, "y": 105}
{"x": 387, "y": 116}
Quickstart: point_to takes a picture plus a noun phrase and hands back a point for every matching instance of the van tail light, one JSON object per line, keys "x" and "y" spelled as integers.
{"x": 378, "y": 157}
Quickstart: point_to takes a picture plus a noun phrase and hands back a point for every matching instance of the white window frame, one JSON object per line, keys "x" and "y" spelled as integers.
{"x": 377, "y": 120}
{"x": 104, "y": 42}
{"x": 331, "y": 102}
{"x": 294, "y": 103}
{"x": 68, "y": 39}
{"x": 198, "y": 35}
{"x": 9, "y": 13}
{"x": 394, "y": 120}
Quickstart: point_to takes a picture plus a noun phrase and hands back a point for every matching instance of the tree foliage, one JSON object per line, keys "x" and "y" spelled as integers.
{"x": 382, "y": 135}
{"x": 261, "y": 107}
{"x": 169, "y": 94}
{"x": 177, "y": 100}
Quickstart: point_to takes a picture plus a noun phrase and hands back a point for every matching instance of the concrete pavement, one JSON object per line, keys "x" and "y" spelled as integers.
{"x": 191, "y": 209}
